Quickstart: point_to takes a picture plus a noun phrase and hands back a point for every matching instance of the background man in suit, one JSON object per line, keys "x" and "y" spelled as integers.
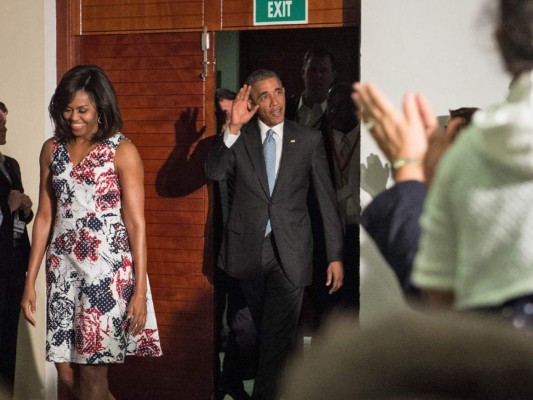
{"x": 318, "y": 74}
{"x": 267, "y": 240}
{"x": 16, "y": 211}
{"x": 309, "y": 110}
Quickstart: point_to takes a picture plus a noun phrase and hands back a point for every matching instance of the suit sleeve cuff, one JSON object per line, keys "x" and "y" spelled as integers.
{"x": 230, "y": 139}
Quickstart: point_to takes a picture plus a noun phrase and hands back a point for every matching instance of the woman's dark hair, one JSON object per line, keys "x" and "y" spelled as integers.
{"x": 515, "y": 34}
{"x": 466, "y": 113}
{"x": 92, "y": 80}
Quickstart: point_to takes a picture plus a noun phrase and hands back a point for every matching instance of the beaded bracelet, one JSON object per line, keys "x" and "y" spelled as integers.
{"x": 400, "y": 162}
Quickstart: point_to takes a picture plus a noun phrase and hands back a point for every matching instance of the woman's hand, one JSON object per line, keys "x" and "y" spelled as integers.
{"x": 137, "y": 314}
{"x": 28, "y": 304}
{"x": 401, "y": 135}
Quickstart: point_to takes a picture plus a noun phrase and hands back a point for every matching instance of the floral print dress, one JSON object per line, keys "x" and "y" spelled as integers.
{"x": 89, "y": 267}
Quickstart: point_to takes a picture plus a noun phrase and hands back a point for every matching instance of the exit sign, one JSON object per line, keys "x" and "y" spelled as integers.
{"x": 280, "y": 12}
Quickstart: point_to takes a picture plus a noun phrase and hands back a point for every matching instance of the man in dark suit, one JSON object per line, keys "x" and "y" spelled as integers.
{"x": 318, "y": 74}
{"x": 267, "y": 242}
{"x": 240, "y": 341}
{"x": 309, "y": 108}
{"x": 15, "y": 207}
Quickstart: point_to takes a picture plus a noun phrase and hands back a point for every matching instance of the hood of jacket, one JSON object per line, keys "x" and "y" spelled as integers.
{"x": 505, "y": 131}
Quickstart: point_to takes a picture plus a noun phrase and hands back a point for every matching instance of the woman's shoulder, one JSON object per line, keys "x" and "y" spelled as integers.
{"x": 116, "y": 140}
{"x": 124, "y": 146}
{"x": 50, "y": 144}
{"x": 48, "y": 148}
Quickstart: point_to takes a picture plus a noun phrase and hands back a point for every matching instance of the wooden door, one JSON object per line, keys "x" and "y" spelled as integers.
{"x": 161, "y": 97}
{"x": 161, "y": 94}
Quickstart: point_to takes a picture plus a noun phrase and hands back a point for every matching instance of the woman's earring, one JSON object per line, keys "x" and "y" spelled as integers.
{"x": 99, "y": 120}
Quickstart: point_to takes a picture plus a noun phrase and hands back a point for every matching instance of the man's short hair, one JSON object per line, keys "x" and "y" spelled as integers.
{"x": 225, "y": 94}
{"x": 261, "y": 75}
{"x": 3, "y": 107}
{"x": 318, "y": 53}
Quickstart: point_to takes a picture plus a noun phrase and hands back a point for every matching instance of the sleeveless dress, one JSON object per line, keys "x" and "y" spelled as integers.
{"x": 89, "y": 267}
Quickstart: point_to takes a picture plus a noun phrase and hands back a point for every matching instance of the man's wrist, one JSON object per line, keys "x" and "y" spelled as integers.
{"x": 234, "y": 129}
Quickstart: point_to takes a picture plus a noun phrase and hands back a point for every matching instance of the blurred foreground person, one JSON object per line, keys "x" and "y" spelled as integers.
{"x": 475, "y": 250}
{"x": 444, "y": 356}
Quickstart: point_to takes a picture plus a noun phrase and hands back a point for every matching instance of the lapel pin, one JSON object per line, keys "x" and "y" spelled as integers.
{"x": 293, "y": 140}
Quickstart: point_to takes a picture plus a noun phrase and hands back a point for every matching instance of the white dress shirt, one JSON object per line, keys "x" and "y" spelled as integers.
{"x": 348, "y": 192}
{"x": 230, "y": 139}
{"x": 310, "y": 117}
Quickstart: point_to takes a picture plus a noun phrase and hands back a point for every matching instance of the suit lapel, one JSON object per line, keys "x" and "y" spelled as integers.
{"x": 252, "y": 140}
{"x": 287, "y": 155}
{"x": 13, "y": 173}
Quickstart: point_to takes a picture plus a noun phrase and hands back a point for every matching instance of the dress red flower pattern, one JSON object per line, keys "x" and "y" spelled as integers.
{"x": 89, "y": 268}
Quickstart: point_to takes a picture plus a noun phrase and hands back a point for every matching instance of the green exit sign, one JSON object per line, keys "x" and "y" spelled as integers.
{"x": 280, "y": 12}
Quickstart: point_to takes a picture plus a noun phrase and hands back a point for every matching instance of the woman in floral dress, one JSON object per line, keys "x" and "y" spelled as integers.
{"x": 90, "y": 222}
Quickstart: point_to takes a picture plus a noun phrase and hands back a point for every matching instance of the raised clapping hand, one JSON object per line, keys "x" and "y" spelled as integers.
{"x": 400, "y": 135}
{"x": 242, "y": 110}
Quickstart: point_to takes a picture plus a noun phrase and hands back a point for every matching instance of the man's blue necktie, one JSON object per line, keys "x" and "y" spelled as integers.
{"x": 269, "y": 151}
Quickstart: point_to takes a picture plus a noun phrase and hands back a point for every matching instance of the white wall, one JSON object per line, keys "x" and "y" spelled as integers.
{"x": 27, "y": 62}
{"x": 444, "y": 49}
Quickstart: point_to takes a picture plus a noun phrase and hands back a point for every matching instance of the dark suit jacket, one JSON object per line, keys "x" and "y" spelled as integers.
{"x": 6, "y": 229}
{"x": 291, "y": 109}
{"x": 392, "y": 220}
{"x": 303, "y": 162}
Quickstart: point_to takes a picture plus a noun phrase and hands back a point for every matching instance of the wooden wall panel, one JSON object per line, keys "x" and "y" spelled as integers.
{"x": 161, "y": 96}
{"x": 130, "y": 16}
{"x": 238, "y": 15}
{"x": 136, "y": 16}
{"x": 151, "y": 51}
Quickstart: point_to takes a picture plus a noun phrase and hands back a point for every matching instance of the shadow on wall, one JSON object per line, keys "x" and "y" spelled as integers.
{"x": 28, "y": 382}
{"x": 183, "y": 173}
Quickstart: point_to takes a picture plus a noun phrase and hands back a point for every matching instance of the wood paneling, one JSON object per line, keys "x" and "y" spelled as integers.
{"x": 151, "y": 51}
{"x": 131, "y": 16}
{"x": 138, "y": 16}
{"x": 161, "y": 97}
{"x": 238, "y": 15}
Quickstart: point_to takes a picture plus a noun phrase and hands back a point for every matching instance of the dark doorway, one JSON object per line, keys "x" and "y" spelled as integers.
{"x": 283, "y": 50}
